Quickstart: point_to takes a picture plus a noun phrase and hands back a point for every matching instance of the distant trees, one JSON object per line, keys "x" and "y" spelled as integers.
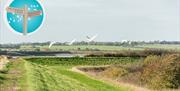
{"x": 124, "y": 44}
{"x": 17, "y": 46}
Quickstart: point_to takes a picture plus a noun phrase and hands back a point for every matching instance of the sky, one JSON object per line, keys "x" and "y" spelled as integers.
{"x": 112, "y": 20}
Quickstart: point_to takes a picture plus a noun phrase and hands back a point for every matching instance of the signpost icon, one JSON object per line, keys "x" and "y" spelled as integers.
{"x": 24, "y": 12}
{"x": 30, "y": 12}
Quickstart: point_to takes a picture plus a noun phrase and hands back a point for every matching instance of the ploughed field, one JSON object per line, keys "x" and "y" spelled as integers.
{"x": 56, "y": 74}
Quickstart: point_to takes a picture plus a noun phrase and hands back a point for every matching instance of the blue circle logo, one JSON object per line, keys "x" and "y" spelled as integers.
{"x": 25, "y": 16}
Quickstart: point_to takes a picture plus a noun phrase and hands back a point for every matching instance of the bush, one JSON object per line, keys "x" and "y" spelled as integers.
{"x": 132, "y": 53}
{"x": 161, "y": 71}
{"x": 114, "y": 72}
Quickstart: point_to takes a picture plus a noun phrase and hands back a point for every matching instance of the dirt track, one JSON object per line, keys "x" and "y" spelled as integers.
{"x": 3, "y": 61}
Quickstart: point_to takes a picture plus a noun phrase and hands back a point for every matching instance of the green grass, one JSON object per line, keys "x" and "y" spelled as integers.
{"x": 54, "y": 74}
{"x": 57, "y": 78}
{"x": 13, "y": 76}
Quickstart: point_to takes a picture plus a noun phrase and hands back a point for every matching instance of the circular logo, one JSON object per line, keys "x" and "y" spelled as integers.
{"x": 24, "y": 16}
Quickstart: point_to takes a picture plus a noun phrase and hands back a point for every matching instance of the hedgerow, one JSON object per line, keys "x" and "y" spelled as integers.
{"x": 162, "y": 71}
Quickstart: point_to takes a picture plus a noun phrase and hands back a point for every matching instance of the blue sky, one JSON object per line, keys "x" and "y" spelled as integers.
{"x": 112, "y": 20}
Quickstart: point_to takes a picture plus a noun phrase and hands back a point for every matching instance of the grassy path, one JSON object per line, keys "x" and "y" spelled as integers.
{"x": 13, "y": 76}
{"x": 59, "y": 78}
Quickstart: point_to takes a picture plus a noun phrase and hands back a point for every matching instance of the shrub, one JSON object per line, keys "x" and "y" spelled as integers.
{"x": 114, "y": 72}
{"x": 161, "y": 71}
{"x": 134, "y": 53}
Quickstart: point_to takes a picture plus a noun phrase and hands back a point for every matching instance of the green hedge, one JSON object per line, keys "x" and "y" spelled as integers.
{"x": 84, "y": 61}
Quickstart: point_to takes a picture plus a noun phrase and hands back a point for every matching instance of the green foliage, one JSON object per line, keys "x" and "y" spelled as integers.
{"x": 83, "y": 61}
{"x": 162, "y": 71}
{"x": 114, "y": 72}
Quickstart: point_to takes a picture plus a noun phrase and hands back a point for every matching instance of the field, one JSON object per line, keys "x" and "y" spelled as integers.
{"x": 103, "y": 47}
{"x": 54, "y": 74}
{"x": 161, "y": 46}
{"x": 95, "y": 47}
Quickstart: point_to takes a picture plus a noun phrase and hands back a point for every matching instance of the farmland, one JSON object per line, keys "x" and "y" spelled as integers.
{"x": 115, "y": 63}
{"x": 54, "y": 74}
{"x": 90, "y": 73}
{"x": 90, "y": 47}
{"x": 101, "y": 47}
{"x": 76, "y": 61}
